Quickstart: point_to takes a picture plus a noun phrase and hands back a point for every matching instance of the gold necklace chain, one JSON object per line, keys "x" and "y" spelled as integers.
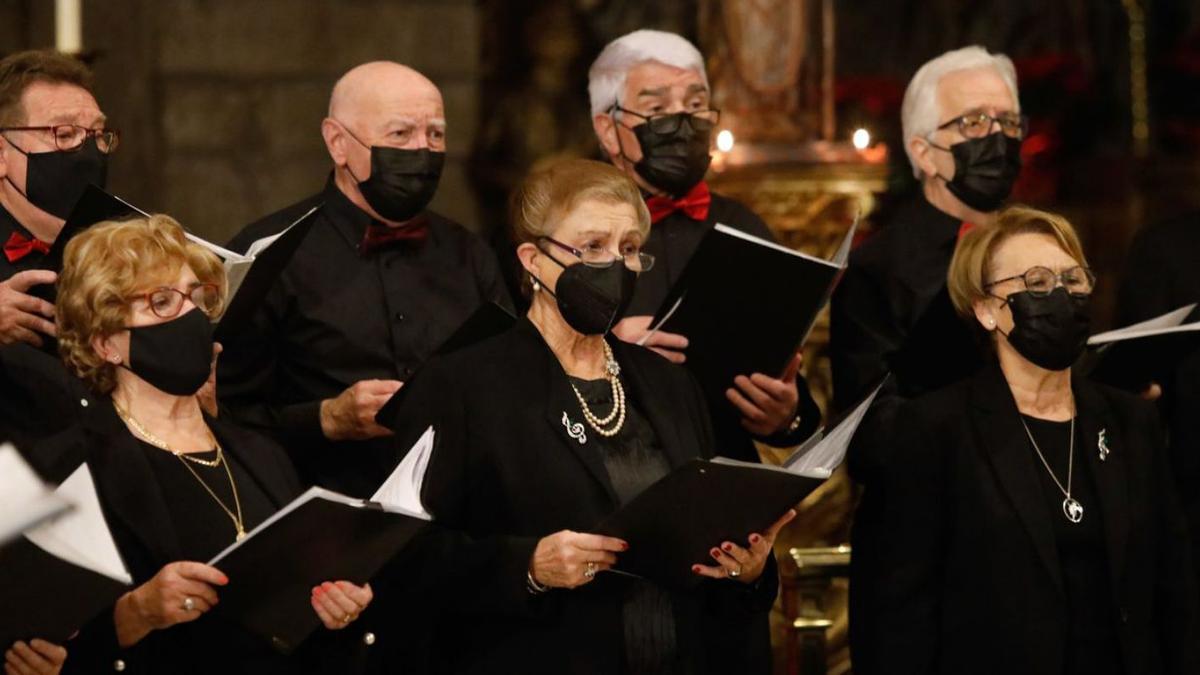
{"x": 238, "y": 522}
{"x": 601, "y": 427}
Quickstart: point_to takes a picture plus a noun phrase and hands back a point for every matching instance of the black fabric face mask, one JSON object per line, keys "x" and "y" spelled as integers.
{"x": 54, "y": 181}
{"x": 593, "y": 299}
{"x": 675, "y": 162}
{"x": 1051, "y": 331}
{"x": 174, "y": 356}
{"x": 402, "y": 181}
{"x": 984, "y": 170}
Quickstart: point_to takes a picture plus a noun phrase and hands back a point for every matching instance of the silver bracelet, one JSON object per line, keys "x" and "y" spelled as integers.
{"x": 533, "y": 586}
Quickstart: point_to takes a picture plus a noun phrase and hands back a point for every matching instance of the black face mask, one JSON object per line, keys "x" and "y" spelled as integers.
{"x": 676, "y": 162}
{"x": 54, "y": 181}
{"x": 174, "y": 356}
{"x": 1051, "y": 331}
{"x": 593, "y": 299}
{"x": 402, "y": 182}
{"x": 984, "y": 170}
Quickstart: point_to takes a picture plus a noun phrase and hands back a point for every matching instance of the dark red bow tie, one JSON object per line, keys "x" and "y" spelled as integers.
{"x": 694, "y": 204}
{"x": 18, "y": 246}
{"x": 382, "y": 236}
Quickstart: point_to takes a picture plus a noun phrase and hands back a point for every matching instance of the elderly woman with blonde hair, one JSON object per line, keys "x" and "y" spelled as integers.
{"x": 1031, "y": 524}
{"x": 136, "y": 301}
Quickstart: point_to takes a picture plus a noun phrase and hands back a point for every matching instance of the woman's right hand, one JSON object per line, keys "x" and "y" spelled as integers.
{"x": 180, "y": 592}
{"x": 561, "y": 560}
{"x": 36, "y": 657}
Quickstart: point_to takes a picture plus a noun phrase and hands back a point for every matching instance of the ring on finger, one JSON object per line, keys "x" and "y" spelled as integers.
{"x": 189, "y": 604}
{"x": 590, "y": 572}
{"x": 734, "y": 573}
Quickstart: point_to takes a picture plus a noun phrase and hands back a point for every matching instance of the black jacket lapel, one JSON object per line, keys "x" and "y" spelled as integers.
{"x": 997, "y": 425}
{"x": 260, "y": 461}
{"x": 1109, "y": 475}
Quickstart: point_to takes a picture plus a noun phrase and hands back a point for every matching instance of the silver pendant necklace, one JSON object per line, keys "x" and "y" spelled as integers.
{"x": 1071, "y": 508}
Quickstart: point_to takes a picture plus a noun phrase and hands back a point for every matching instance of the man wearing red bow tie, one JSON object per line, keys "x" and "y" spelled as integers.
{"x": 650, "y": 109}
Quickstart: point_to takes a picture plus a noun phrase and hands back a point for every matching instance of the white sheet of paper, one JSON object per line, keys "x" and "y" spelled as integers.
{"x": 1171, "y": 322}
{"x": 402, "y": 489}
{"x": 825, "y": 450}
{"x": 81, "y": 537}
{"x": 25, "y": 500}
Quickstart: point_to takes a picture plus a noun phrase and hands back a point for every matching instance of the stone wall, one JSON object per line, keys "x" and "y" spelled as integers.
{"x": 220, "y": 101}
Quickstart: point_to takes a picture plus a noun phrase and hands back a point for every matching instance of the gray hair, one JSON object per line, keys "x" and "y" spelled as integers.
{"x": 606, "y": 77}
{"x": 920, "y": 113}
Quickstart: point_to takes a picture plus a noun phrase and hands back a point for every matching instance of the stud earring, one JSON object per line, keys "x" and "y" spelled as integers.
{"x": 536, "y": 287}
{"x": 115, "y": 358}
{"x": 991, "y": 323}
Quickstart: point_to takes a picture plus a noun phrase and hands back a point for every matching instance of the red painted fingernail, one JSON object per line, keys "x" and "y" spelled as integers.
{"x": 318, "y": 590}
{"x": 754, "y": 538}
{"x": 696, "y": 569}
{"x": 224, "y": 580}
{"x": 727, "y": 547}
{"x": 715, "y": 553}
{"x": 624, "y": 546}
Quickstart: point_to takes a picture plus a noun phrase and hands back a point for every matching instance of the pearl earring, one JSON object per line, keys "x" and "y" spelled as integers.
{"x": 536, "y": 287}
{"x": 992, "y": 323}
{"x": 115, "y": 358}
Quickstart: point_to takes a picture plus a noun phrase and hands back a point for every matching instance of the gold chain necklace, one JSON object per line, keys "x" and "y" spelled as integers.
{"x": 613, "y": 371}
{"x": 238, "y": 522}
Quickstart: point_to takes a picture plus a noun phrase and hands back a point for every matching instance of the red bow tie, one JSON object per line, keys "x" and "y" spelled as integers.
{"x": 18, "y": 246}
{"x": 694, "y": 204}
{"x": 382, "y": 236}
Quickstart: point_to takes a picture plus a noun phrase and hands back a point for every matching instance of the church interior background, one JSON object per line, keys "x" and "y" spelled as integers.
{"x": 219, "y": 103}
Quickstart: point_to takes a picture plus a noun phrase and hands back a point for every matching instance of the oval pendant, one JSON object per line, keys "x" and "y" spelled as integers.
{"x": 1072, "y": 509}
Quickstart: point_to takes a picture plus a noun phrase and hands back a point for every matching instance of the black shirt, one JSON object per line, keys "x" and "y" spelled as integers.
{"x": 1092, "y": 644}
{"x": 337, "y": 316}
{"x": 634, "y": 460}
{"x": 38, "y": 396}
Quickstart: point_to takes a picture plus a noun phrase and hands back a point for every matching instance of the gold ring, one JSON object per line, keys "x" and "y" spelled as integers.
{"x": 590, "y": 572}
{"x": 733, "y": 574}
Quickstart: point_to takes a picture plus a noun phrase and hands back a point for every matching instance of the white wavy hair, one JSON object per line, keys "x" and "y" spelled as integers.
{"x": 606, "y": 77}
{"x": 920, "y": 113}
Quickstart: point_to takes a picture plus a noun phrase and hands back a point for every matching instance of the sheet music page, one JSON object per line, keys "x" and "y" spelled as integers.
{"x": 402, "y": 489}
{"x": 25, "y": 500}
{"x": 1171, "y": 322}
{"x": 820, "y": 459}
{"x": 81, "y": 537}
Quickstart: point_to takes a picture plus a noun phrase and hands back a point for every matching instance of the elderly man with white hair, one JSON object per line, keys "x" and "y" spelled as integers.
{"x": 651, "y": 109}
{"x": 891, "y": 312}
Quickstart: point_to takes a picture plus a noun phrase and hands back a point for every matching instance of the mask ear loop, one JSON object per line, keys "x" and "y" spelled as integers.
{"x": 1003, "y": 303}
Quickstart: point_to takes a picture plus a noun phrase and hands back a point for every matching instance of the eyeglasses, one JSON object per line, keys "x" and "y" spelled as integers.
{"x": 1041, "y": 281}
{"x": 70, "y": 137}
{"x": 979, "y": 124}
{"x": 166, "y": 302}
{"x": 603, "y": 258}
{"x": 668, "y": 123}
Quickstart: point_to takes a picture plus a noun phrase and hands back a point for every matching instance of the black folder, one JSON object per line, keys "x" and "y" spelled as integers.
{"x": 323, "y": 537}
{"x": 746, "y": 304}
{"x": 674, "y": 523}
{"x": 266, "y": 268}
{"x": 488, "y": 320}
{"x": 46, "y": 597}
{"x": 1131, "y": 359}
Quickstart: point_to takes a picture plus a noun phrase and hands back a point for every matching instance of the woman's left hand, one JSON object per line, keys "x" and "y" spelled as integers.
{"x": 767, "y": 404}
{"x": 338, "y": 603}
{"x": 744, "y": 564}
{"x": 37, "y": 657}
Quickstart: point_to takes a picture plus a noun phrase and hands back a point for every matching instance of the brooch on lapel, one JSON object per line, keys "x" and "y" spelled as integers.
{"x": 1102, "y": 444}
{"x": 574, "y": 430}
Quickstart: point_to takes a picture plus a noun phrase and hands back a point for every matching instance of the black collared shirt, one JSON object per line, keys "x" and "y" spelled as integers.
{"x": 38, "y": 396}
{"x": 337, "y": 316}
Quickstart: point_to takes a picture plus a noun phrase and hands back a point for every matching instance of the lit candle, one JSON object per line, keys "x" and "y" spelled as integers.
{"x": 68, "y": 26}
{"x": 725, "y": 140}
{"x": 861, "y": 139}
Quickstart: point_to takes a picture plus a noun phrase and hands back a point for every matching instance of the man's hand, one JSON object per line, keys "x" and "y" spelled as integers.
{"x": 23, "y": 316}
{"x": 207, "y": 394}
{"x": 351, "y": 416}
{"x": 767, "y": 404}
{"x": 670, "y": 345}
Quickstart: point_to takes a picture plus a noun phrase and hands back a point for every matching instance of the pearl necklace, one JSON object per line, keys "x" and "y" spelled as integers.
{"x": 601, "y": 426}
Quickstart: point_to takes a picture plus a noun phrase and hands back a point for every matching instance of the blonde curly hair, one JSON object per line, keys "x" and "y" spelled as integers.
{"x": 106, "y": 265}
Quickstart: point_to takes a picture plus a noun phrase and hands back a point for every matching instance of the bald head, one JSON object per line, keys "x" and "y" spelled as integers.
{"x": 374, "y": 86}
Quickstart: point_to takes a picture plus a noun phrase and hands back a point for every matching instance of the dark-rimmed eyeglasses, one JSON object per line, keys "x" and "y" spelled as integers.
{"x": 979, "y": 124}
{"x": 70, "y": 137}
{"x": 603, "y": 258}
{"x": 1041, "y": 281}
{"x": 166, "y": 302}
{"x": 668, "y": 123}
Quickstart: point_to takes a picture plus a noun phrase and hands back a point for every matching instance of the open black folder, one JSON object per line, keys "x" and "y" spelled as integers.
{"x": 61, "y": 573}
{"x": 747, "y": 304}
{"x": 1134, "y": 356}
{"x": 674, "y": 523}
{"x": 320, "y": 536}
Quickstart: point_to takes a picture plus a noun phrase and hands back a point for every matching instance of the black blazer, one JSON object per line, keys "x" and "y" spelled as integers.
{"x": 505, "y": 473}
{"x": 971, "y": 580}
{"x": 136, "y": 511}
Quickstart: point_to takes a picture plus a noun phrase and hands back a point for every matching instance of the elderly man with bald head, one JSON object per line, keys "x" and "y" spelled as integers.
{"x": 377, "y": 284}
